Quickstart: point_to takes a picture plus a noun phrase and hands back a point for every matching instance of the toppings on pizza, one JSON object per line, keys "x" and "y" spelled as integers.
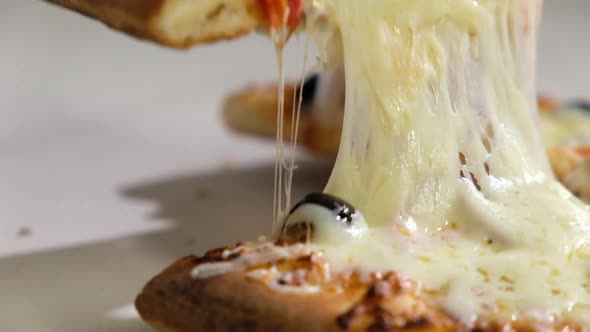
{"x": 580, "y": 104}
{"x": 322, "y": 218}
{"x": 391, "y": 303}
{"x": 308, "y": 89}
{"x": 546, "y": 104}
{"x": 281, "y": 13}
{"x": 341, "y": 210}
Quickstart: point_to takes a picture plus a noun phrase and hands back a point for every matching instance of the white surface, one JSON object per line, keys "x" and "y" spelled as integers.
{"x": 113, "y": 155}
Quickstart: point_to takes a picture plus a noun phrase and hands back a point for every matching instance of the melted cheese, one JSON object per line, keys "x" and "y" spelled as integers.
{"x": 253, "y": 255}
{"x": 441, "y": 152}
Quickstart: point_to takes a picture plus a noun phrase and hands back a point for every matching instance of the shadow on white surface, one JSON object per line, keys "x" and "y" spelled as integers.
{"x": 89, "y": 288}
{"x": 224, "y": 207}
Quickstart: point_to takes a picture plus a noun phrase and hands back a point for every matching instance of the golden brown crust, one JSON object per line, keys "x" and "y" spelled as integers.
{"x": 243, "y": 301}
{"x": 253, "y": 110}
{"x": 173, "y": 301}
{"x": 175, "y": 23}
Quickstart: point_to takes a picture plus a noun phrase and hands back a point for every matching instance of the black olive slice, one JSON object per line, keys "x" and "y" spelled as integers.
{"x": 309, "y": 89}
{"x": 579, "y": 105}
{"x": 320, "y": 212}
{"x": 343, "y": 211}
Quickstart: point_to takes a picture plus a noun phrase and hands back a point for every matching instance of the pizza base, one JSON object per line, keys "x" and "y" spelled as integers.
{"x": 174, "y": 301}
{"x": 174, "y": 23}
{"x": 253, "y": 111}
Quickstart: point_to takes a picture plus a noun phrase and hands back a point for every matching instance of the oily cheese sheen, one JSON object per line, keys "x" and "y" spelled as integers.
{"x": 441, "y": 152}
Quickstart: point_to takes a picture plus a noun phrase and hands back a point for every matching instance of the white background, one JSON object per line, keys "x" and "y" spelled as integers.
{"x": 114, "y": 157}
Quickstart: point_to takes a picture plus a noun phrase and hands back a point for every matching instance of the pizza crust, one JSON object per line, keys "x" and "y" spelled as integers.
{"x": 253, "y": 111}
{"x": 238, "y": 301}
{"x": 174, "y": 302}
{"x": 174, "y": 23}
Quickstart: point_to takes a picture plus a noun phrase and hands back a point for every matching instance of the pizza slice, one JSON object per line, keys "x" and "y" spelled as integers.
{"x": 292, "y": 291}
{"x": 184, "y": 23}
{"x": 289, "y": 286}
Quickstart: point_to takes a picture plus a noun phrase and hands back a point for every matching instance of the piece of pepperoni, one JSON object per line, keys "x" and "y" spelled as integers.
{"x": 275, "y": 11}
